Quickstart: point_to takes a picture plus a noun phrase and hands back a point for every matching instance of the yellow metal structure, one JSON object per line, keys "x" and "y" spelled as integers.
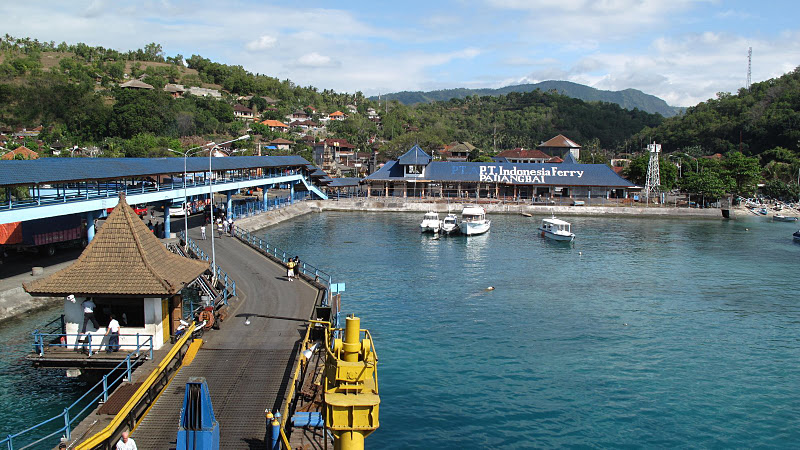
{"x": 351, "y": 387}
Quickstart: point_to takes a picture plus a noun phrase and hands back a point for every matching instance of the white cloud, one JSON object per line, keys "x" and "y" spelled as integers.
{"x": 262, "y": 43}
{"x": 314, "y": 59}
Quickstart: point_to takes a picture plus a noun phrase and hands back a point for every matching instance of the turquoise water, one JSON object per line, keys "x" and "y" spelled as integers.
{"x": 29, "y": 395}
{"x": 645, "y": 333}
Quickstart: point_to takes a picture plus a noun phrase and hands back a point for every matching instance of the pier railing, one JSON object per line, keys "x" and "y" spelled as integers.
{"x": 227, "y": 283}
{"x": 255, "y": 207}
{"x": 45, "y": 433}
{"x": 282, "y": 256}
{"x": 45, "y": 341}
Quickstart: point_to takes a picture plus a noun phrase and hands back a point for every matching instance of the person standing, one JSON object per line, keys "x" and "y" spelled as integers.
{"x": 290, "y": 269}
{"x": 219, "y": 227}
{"x": 297, "y": 266}
{"x": 88, "y": 315}
{"x": 126, "y": 442}
{"x": 203, "y": 232}
{"x": 113, "y": 335}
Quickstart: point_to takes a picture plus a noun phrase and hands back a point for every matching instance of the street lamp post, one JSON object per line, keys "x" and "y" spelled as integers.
{"x": 210, "y": 195}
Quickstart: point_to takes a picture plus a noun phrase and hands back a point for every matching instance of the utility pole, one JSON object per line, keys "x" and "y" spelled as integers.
{"x": 749, "y": 66}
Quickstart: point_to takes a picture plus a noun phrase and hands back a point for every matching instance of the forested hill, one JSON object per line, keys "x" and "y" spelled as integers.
{"x": 761, "y": 119}
{"x": 628, "y": 98}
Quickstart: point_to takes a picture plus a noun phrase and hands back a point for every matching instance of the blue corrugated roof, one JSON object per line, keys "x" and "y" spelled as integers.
{"x": 56, "y": 170}
{"x": 344, "y": 182}
{"x": 569, "y": 159}
{"x": 415, "y": 156}
{"x": 510, "y": 173}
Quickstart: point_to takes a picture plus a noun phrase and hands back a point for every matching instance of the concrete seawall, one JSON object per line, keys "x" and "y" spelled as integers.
{"x": 399, "y": 205}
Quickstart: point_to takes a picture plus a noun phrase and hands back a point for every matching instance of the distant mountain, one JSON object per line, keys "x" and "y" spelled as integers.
{"x": 628, "y": 99}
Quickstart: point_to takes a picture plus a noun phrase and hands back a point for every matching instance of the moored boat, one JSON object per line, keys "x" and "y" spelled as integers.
{"x": 473, "y": 220}
{"x": 782, "y": 218}
{"x": 796, "y": 235}
{"x": 430, "y": 223}
{"x": 557, "y": 230}
{"x": 762, "y": 211}
{"x": 450, "y": 224}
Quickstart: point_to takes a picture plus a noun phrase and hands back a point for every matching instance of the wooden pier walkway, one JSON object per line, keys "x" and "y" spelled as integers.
{"x": 247, "y": 367}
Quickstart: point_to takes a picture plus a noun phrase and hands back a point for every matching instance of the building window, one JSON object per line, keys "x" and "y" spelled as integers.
{"x": 414, "y": 170}
{"x": 128, "y": 311}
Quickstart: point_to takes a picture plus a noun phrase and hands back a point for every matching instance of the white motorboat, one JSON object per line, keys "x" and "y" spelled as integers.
{"x": 782, "y": 218}
{"x": 430, "y": 223}
{"x": 450, "y": 224}
{"x": 473, "y": 220}
{"x": 557, "y": 230}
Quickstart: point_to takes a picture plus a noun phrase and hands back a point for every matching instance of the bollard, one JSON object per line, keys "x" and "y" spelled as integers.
{"x": 269, "y": 417}
{"x": 276, "y": 434}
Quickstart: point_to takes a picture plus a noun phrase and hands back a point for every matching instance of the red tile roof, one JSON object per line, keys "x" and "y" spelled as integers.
{"x": 523, "y": 153}
{"x": 280, "y": 141}
{"x": 24, "y": 151}
{"x": 560, "y": 141}
{"x": 274, "y": 123}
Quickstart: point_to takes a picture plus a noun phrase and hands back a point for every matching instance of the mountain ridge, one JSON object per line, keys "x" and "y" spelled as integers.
{"x": 627, "y": 98}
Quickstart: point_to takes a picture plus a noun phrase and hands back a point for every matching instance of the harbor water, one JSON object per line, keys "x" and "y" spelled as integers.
{"x": 645, "y": 333}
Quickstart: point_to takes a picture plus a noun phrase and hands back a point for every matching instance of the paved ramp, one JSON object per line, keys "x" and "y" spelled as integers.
{"x": 247, "y": 367}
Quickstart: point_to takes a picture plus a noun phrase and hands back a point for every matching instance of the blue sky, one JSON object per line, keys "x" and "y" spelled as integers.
{"x": 683, "y": 51}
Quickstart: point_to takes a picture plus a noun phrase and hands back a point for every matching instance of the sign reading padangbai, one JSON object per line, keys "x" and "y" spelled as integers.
{"x": 500, "y": 174}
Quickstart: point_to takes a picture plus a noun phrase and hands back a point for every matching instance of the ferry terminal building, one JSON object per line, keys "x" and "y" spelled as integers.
{"x": 415, "y": 174}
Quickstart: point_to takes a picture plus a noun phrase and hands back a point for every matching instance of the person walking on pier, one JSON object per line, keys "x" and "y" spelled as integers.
{"x": 219, "y": 227}
{"x": 113, "y": 335}
{"x": 126, "y": 442}
{"x": 297, "y": 266}
{"x": 88, "y": 315}
{"x": 203, "y": 232}
{"x": 290, "y": 269}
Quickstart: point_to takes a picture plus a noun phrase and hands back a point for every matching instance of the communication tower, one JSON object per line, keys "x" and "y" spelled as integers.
{"x": 749, "y": 65}
{"x": 653, "y": 172}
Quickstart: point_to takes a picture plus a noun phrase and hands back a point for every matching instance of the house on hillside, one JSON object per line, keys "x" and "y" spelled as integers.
{"x": 351, "y": 109}
{"x": 175, "y": 90}
{"x": 204, "y": 92}
{"x": 23, "y": 152}
{"x": 275, "y": 125}
{"x": 135, "y": 84}
{"x": 297, "y": 115}
{"x": 458, "y": 151}
{"x": 243, "y": 112}
{"x": 280, "y": 144}
{"x": 337, "y": 115}
{"x": 561, "y": 146}
{"x": 56, "y": 148}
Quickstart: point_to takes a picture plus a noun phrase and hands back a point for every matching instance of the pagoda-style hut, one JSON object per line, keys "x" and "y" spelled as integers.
{"x": 126, "y": 271}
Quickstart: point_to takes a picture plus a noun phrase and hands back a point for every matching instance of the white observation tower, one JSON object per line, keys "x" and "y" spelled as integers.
{"x": 653, "y": 172}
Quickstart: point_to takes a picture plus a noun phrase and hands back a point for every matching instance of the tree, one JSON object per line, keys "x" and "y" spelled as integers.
{"x": 745, "y": 173}
{"x": 781, "y": 190}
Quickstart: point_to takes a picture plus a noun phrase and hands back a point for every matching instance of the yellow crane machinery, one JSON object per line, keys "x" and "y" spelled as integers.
{"x": 351, "y": 387}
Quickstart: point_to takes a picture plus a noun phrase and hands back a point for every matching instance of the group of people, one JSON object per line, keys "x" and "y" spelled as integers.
{"x": 157, "y": 228}
{"x": 293, "y": 268}
{"x": 112, "y": 330}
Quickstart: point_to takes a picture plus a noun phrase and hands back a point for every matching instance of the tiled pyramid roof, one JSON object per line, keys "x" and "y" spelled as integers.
{"x": 124, "y": 258}
{"x": 560, "y": 141}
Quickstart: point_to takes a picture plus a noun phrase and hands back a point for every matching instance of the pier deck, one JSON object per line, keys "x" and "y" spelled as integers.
{"x": 247, "y": 367}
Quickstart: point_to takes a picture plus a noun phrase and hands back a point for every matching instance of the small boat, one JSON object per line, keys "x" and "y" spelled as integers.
{"x": 762, "y": 211}
{"x": 782, "y": 218}
{"x": 473, "y": 220}
{"x": 430, "y": 223}
{"x": 556, "y": 229}
{"x": 527, "y": 214}
{"x": 450, "y": 224}
{"x": 796, "y": 235}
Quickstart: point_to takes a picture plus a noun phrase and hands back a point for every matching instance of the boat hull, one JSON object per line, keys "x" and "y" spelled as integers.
{"x": 784, "y": 219}
{"x": 429, "y": 228}
{"x": 474, "y": 228}
{"x": 557, "y": 237}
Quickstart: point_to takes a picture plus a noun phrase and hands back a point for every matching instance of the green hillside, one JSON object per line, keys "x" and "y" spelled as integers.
{"x": 628, "y": 99}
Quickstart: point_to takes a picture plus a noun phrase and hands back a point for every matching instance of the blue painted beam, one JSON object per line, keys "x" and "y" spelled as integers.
{"x": 21, "y": 214}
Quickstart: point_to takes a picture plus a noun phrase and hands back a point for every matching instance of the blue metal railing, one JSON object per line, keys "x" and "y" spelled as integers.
{"x": 71, "y": 192}
{"x": 43, "y": 341}
{"x": 229, "y": 285}
{"x": 255, "y": 207}
{"x": 75, "y": 412}
{"x": 318, "y": 275}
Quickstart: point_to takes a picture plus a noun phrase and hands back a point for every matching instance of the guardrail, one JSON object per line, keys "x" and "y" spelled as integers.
{"x": 281, "y": 255}
{"x": 229, "y": 285}
{"x": 61, "y": 340}
{"x": 80, "y": 407}
{"x": 136, "y": 407}
{"x": 256, "y": 207}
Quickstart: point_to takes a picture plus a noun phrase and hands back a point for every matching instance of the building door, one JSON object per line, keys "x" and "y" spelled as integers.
{"x": 165, "y": 319}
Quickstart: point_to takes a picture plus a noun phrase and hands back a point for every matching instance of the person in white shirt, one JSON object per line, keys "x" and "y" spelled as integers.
{"x": 203, "y": 232}
{"x": 88, "y": 315}
{"x": 113, "y": 335}
{"x": 126, "y": 443}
